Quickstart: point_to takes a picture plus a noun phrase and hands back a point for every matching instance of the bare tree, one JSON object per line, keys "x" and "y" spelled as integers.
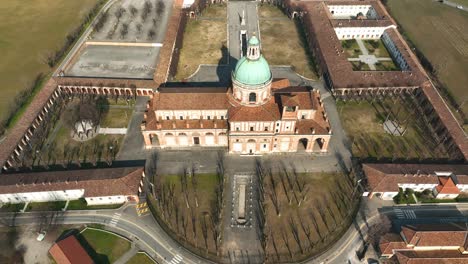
{"x": 160, "y": 7}
{"x": 133, "y": 10}
{"x": 379, "y": 229}
{"x": 119, "y": 13}
{"x": 151, "y": 34}
{"x": 295, "y": 233}
{"x": 124, "y": 30}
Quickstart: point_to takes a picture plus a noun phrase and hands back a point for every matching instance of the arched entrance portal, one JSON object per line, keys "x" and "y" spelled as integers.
{"x": 251, "y": 146}
{"x": 318, "y": 144}
{"x": 302, "y": 145}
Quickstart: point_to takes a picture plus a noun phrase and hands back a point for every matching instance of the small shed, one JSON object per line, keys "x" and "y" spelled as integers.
{"x": 70, "y": 251}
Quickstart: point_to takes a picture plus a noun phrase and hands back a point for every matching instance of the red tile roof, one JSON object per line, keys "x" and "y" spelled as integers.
{"x": 267, "y": 112}
{"x": 190, "y": 99}
{"x": 70, "y": 251}
{"x": 447, "y": 186}
{"x": 95, "y": 182}
{"x": 333, "y": 60}
{"x": 431, "y": 257}
{"x": 386, "y": 177}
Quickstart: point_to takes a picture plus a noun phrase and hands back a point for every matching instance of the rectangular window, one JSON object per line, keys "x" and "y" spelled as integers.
{"x": 237, "y": 129}
{"x": 222, "y": 117}
{"x": 276, "y": 130}
{"x": 303, "y": 116}
{"x": 167, "y": 118}
{"x": 251, "y": 128}
{"x": 208, "y": 117}
{"x": 181, "y": 117}
{"x": 266, "y": 128}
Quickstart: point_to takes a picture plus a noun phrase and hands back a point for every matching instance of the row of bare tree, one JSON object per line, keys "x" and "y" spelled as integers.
{"x": 308, "y": 223}
{"x": 183, "y": 214}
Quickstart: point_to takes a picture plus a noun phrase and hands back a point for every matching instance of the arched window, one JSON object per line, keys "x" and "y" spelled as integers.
{"x": 252, "y": 97}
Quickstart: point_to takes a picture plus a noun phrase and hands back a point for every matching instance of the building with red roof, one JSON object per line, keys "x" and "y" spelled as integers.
{"x": 427, "y": 244}
{"x": 70, "y": 251}
{"x": 257, "y": 115}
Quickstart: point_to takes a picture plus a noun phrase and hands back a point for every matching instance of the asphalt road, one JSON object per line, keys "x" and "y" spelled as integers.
{"x": 144, "y": 231}
{"x": 455, "y": 5}
{"x": 345, "y": 249}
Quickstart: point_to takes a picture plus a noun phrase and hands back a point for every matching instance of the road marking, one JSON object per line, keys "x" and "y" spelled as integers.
{"x": 399, "y": 213}
{"x": 410, "y": 214}
{"x": 115, "y": 219}
{"x": 176, "y": 259}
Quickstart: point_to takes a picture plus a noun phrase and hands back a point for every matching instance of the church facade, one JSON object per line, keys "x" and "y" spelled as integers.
{"x": 257, "y": 115}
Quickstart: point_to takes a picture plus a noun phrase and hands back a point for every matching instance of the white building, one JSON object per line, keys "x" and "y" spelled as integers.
{"x": 97, "y": 186}
{"x": 445, "y": 181}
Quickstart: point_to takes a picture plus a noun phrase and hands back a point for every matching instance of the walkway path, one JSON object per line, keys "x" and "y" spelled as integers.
{"x": 366, "y": 57}
{"x": 236, "y": 11}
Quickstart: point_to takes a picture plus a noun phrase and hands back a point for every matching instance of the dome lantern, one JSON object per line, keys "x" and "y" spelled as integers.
{"x": 252, "y": 76}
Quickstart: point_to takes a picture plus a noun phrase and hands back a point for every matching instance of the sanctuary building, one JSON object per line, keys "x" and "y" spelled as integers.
{"x": 257, "y": 115}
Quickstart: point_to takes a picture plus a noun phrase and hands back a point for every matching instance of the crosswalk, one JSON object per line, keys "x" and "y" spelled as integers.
{"x": 176, "y": 259}
{"x": 115, "y": 219}
{"x": 408, "y": 214}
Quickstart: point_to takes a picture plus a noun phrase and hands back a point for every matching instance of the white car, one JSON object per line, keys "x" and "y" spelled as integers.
{"x": 41, "y": 236}
{"x": 460, "y": 7}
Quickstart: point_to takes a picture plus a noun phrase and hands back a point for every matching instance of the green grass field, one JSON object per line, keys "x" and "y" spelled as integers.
{"x": 29, "y": 29}
{"x": 276, "y": 34}
{"x": 140, "y": 258}
{"x": 116, "y": 118}
{"x": 103, "y": 247}
{"x": 439, "y": 31}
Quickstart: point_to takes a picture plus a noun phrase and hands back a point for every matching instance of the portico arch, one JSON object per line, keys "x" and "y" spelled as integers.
{"x": 302, "y": 144}
{"x": 318, "y": 144}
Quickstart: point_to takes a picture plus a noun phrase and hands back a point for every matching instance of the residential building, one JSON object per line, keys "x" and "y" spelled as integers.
{"x": 427, "y": 244}
{"x": 97, "y": 186}
{"x": 446, "y": 181}
{"x": 69, "y": 251}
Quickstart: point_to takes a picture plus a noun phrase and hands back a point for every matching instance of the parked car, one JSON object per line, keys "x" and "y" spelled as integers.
{"x": 41, "y": 236}
{"x": 460, "y": 7}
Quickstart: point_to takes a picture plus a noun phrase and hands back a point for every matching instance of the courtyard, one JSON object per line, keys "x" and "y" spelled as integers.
{"x": 303, "y": 212}
{"x": 283, "y": 42}
{"x": 364, "y": 121}
{"x": 125, "y": 41}
{"x": 368, "y": 55}
{"x": 189, "y": 206}
{"x": 204, "y": 41}
{"x": 67, "y": 144}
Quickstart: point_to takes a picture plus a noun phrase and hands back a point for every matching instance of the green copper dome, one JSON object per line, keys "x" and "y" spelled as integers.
{"x": 252, "y": 69}
{"x": 252, "y": 72}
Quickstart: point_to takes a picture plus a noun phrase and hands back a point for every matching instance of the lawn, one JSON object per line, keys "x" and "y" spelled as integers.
{"x": 116, "y": 118}
{"x": 377, "y": 48}
{"x": 140, "y": 258}
{"x": 386, "y": 66}
{"x": 304, "y": 223}
{"x": 439, "y": 32}
{"x": 31, "y": 29}
{"x": 189, "y": 213}
{"x": 351, "y": 48}
{"x": 293, "y": 49}
{"x": 46, "y": 206}
{"x": 61, "y": 148}
{"x": 12, "y": 207}
{"x": 82, "y": 205}
{"x": 360, "y": 66}
{"x": 103, "y": 247}
{"x": 363, "y": 121}
{"x": 211, "y": 42}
